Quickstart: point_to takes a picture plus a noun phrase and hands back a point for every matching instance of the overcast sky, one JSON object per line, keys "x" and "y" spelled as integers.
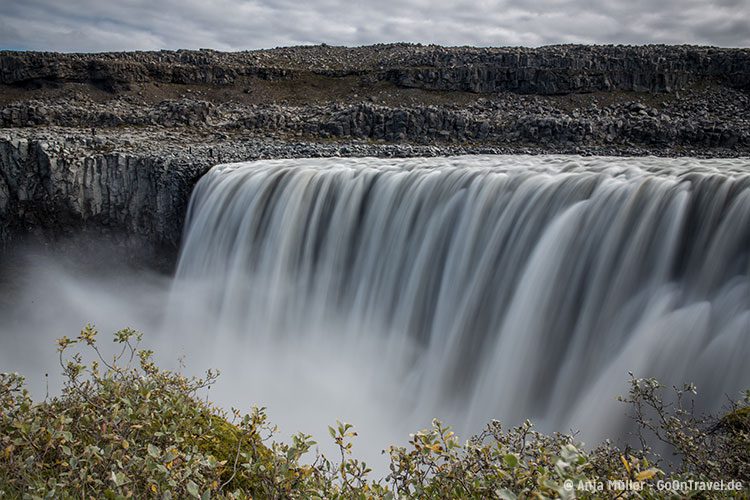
{"x": 100, "y": 25}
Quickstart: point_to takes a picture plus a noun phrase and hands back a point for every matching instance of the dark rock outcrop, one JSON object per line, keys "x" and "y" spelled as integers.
{"x": 546, "y": 70}
{"x": 47, "y": 187}
{"x": 574, "y": 69}
{"x": 709, "y": 119}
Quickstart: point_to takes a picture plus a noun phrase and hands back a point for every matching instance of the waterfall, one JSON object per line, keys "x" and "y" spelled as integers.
{"x": 479, "y": 287}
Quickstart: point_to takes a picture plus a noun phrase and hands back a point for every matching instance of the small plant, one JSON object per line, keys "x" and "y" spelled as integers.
{"x": 708, "y": 447}
{"x": 124, "y": 428}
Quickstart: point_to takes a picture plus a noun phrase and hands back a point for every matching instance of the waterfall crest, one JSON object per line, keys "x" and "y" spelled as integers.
{"x": 485, "y": 287}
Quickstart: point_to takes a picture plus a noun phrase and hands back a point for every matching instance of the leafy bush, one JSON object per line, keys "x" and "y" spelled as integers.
{"x": 124, "y": 428}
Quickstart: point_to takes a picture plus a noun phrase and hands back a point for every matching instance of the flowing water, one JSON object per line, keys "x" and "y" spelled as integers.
{"x": 387, "y": 292}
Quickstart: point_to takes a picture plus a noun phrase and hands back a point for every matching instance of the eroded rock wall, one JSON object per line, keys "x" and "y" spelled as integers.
{"x": 545, "y": 70}
{"x": 46, "y": 187}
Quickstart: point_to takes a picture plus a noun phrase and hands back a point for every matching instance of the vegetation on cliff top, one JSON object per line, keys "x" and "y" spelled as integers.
{"x": 124, "y": 428}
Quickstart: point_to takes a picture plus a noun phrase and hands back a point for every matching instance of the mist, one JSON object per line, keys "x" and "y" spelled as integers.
{"x": 305, "y": 385}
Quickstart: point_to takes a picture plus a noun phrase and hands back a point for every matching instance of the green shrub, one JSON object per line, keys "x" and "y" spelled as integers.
{"x": 124, "y": 428}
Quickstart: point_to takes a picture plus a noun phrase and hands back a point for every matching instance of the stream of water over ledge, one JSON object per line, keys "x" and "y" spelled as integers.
{"x": 386, "y": 292}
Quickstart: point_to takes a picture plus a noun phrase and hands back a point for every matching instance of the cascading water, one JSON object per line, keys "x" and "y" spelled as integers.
{"x": 472, "y": 288}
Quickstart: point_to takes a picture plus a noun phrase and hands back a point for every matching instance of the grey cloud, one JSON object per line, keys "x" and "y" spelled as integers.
{"x": 97, "y": 25}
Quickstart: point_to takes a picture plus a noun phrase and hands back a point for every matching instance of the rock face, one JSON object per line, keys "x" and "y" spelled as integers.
{"x": 113, "y": 143}
{"x": 546, "y": 70}
{"x": 719, "y": 118}
{"x": 576, "y": 69}
{"x": 45, "y": 188}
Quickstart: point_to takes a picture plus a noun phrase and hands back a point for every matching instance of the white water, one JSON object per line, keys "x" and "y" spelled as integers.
{"x": 388, "y": 292}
